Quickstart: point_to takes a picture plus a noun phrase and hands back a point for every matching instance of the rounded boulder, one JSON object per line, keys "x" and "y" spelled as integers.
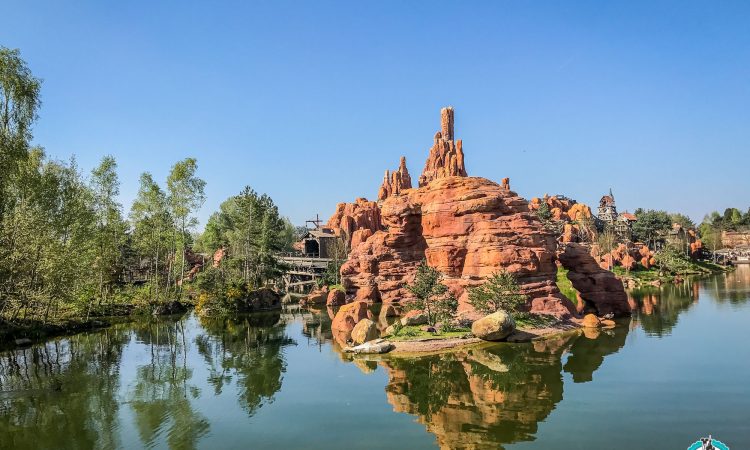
{"x": 494, "y": 327}
{"x": 364, "y": 331}
{"x": 590, "y": 321}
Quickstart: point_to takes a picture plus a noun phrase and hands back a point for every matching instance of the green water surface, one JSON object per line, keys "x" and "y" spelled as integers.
{"x": 677, "y": 370}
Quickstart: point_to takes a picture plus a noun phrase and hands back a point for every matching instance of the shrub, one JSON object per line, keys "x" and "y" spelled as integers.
{"x": 432, "y": 296}
{"x": 500, "y": 291}
{"x": 672, "y": 260}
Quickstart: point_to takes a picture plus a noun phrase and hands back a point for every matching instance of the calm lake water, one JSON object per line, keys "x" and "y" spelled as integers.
{"x": 677, "y": 370}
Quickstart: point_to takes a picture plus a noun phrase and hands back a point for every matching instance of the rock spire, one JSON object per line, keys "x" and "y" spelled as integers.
{"x": 446, "y": 157}
{"x": 395, "y": 182}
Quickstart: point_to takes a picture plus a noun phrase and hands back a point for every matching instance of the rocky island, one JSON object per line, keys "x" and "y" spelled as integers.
{"x": 467, "y": 228}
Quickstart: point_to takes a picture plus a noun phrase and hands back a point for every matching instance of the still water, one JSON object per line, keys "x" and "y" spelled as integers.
{"x": 677, "y": 370}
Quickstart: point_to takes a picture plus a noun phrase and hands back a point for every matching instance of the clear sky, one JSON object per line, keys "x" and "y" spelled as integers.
{"x": 311, "y": 101}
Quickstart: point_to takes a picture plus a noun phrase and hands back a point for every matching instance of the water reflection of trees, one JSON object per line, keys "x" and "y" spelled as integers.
{"x": 732, "y": 287}
{"x": 161, "y": 396}
{"x": 316, "y": 324}
{"x": 248, "y": 348}
{"x": 489, "y": 396}
{"x": 62, "y": 394}
{"x": 658, "y": 309}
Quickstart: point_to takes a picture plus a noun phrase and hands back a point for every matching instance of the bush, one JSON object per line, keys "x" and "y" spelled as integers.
{"x": 432, "y": 296}
{"x": 500, "y": 291}
{"x": 672, "y": 260}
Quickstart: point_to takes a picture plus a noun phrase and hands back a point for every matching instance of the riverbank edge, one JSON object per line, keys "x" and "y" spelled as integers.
{"x": 437, "y": 345}
{"x": 637, "y": 279}
{"x": 22, "y": 335}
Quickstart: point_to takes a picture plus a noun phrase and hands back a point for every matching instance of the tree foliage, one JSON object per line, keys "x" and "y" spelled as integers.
{"x": 673, "y": 260}
{"x": 253, "y": 232}
{"x": 500, "y": 291}
{"x": 651, "y": 227}
{"x": 432, "y": 296}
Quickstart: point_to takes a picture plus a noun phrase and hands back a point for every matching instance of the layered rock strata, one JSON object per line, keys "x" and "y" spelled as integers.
{"x": 466, "y": 227}
{"x": 601, "y": 291}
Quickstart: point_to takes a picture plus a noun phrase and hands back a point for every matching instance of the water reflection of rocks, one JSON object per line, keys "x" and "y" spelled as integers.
{"x": 488, "y": 396}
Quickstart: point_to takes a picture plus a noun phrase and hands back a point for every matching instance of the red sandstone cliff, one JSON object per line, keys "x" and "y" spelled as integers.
{"x": 466, "y": 227}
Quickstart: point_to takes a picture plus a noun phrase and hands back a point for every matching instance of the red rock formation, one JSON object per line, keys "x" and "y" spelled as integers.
{"x": 466, "y": 227}
{"x": 732, "y": 239}
{"x": 315, "y": 297}
{"x": 350, "y": 217}
{"x": 336, "y": 297}
{"x": 360, "y": 236}
{"x": 579, "y": 211}
{"x": 394, "y": 183}
{"x": 566, "y": 210}
{"x": 602, "y": 292}
{"x": 345, "y": 320}
{"x": 446, "y": 156}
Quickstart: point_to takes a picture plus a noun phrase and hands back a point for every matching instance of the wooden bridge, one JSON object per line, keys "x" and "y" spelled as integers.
{"x": 304, "y": 270}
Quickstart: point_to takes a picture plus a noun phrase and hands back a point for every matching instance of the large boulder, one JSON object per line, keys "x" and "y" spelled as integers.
{"x": 336, "y": 297}
{"x": 590, "y": 321}
{"x": 365, "y": 330}
{"x": 315, "y": 297}
{"x": 494, "y": 327}
{"x": 346, "y": 318}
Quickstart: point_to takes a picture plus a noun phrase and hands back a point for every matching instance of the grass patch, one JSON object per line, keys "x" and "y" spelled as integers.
{"x": 640, "y": 273}
{"x": 415, "y": 332}
{"x": 565, "y": 286}
{"x": 529, "y": 320}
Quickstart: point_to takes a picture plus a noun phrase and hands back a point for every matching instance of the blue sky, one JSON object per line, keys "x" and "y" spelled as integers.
{"x": 311, "y": 101}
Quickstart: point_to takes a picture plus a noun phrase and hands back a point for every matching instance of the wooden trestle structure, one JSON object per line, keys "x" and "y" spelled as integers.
{"x": 303, "y": 271}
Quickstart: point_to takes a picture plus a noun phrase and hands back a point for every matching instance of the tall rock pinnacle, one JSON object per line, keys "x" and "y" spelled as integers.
{"x": 395, "y": 182}
{"x": 446, "y": 157}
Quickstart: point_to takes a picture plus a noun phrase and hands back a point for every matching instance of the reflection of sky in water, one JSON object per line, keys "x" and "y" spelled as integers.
{"x": 277, "y": 381}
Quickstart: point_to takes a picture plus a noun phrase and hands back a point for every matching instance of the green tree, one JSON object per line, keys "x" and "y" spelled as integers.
{"x": 186, "y": 195}
{"x": 684, "y": 221}
{"x": 19, "y": 102}
{"x": 672, "y": 259}
{"x": 432, "y": 296}
{"x": 543, "y": 213}
{"x": 250, "y": 227}
{"x": 500, "y": 291}
{"x": 651, "y": 227}
{"x": 152, "y": 229}
{"x": 110, "y": 226}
